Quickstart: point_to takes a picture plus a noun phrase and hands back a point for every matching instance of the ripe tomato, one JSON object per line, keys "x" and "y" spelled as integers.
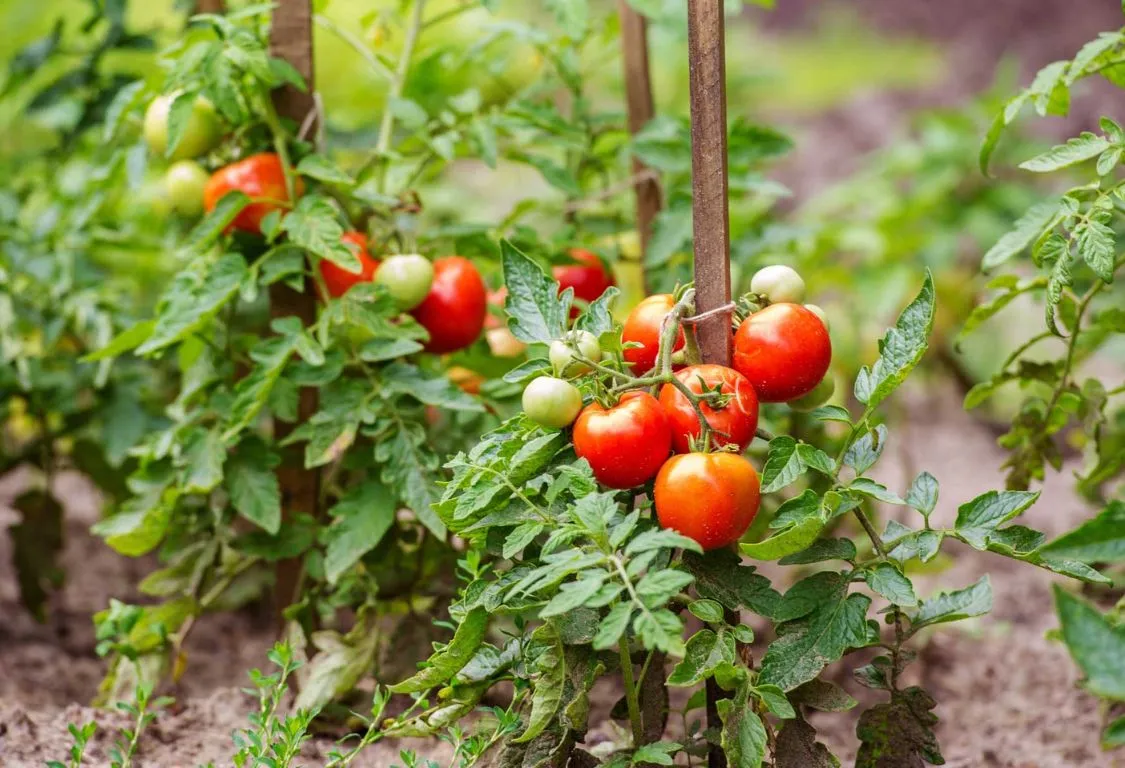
{"x": 337, "y": 279}
{"x": 588, "y": 277}
{"x": 643, "y": 326}
{"x": 262, "y": 178}
{"x": 551, "y": 402}
{"x": 784, "y": 350}
{"x": 779, "y": 284}
{"x": 625, "y": 444}
{"x": 454, "y": 309}
{"x": 203, "y": 132}
{"x": 709, "y": 497}
{"x": 184, "y": 181}
{"x": 408, "y": 277}
{"x": 732, "y": 424}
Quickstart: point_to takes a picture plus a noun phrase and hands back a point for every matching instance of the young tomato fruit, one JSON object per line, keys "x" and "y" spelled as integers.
{"x": 643, "y": 326}
{"x": 184, "y": 181}
{"x": 816, "y": 310}
{"x": 784, "y": 350}
{"x": 454, "y": 309}
{"x": 260, "y": 177}
{"x": 552, "y": 402}
{"x": 588, "y": 277}
{"x": 625, "y": 444}
{"x": 562, "y": 355}
{"x": 408, "y": 277}
{"x": 709, "y": 497}
{"x": 204, "y": 128}
{"x": 779, "y": 284}
{"x": 337, "y": 279}
{"x": 732, "y": 424}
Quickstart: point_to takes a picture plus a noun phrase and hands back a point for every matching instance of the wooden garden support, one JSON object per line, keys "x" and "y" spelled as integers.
{"x": 291, "y": 39}
{"x": 710, "y": 216}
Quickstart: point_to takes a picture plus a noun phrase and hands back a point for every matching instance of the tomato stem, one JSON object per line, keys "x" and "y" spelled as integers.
{"x": 631, "y": 693}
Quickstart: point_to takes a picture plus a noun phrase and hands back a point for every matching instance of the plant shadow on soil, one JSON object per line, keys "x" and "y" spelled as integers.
{"x": 1007, "y": 696}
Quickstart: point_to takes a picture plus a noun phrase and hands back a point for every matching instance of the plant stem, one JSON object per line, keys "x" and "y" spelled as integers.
{"x": 631, "y": 693}
{"x": 356, "y": 44}
{"x": 670, "y": 328}
{"x": 398, "y": 81}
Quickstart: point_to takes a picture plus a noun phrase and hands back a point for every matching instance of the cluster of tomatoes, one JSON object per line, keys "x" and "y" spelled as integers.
{"x": 704, "y": 487}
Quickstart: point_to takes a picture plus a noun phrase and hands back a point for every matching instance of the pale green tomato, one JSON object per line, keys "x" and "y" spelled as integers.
{"x": 408, "y": 278}
{"x": 819, "y": 313}
{"x": 820, "y": 395}
{"x": 552, "y": 402}
{"x": 778, "y": 283}
{"x": 204, "y": 128}
{"x": 184, "y": 182}
{"x": 562, "y": 353}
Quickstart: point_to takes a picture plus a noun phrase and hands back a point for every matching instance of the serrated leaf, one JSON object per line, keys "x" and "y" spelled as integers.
{"x": 572, "y": 595}
{"x": 789, "y": 541}
{"x": 314, "y": 225}
{"x": 1076, "y": 150}
{"x": 783, "y": 464}
{"x": 721, "y": 576}
{"x": 207, "y": 231}
{"x": 1097, "y": 247}
{"x": 775, "y": 701}
{"x": 888, "y": 581}
{"x": 974, "y": 600}
{"x": 704, "y": 652}
{"x": 1025, "y": 231}
{"x": 868, "y": 487}
{"x": 203, "y": 459}
{"x": 322, "y": 168}
{"x": 123, "y": 342}
{"x": 360, "y": 520}
{"x": 821, "y": 550}
{"x": 613, "y": 625}
{"x": 547, "y": 692}
{"x": 864, "y": 452}
{"x": 597, "y": 318}
{"x": 536, "y": 311}
{"x": 425, "y": 387}
{"x": 520, "y": 536}
{"x": 978, "y": 518}
{"x": 1097, "y": 646}
{"x": 923, "y": 494}
{"x": 899, "y": 732}
{"x": 193, "y": 300}
{"x": 657, "y": 587}
{"x": 743, "y": 736}
{"x": 900, "y": 350}
{"x": 1099, "y": 540}
{"x": 253, "y": 486}
{"x": 410, "y": 470}
{"x": 446, "y": 663}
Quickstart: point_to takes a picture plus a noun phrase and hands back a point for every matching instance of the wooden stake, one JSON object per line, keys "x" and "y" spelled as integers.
{"x": 639, "y": 102}
{"x": 291, "y": 39}
{"x": 209, "y": 6}
{"x": 710, "y": 217}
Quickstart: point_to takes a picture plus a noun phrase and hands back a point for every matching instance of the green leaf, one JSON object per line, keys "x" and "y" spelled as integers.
{"x": 572, "y": 595}
{"x": 1025, "y": 232}
{"x": 522, "y": 535}
{"x": 613, "y": 626}
{"x": 314, "y": 225}
{"x": 430, "y": 388}
{"x": 123, "y": 342}
{"x": 381, "y": 350}
{"x": 721, "y": 576}
{"x": 340, "y": 663}
{"x": 1097, "y": 247}
{"x": 826, "y": 622}
{"x": 324, "y": 169}
{"x": 207, "y": 231}
{"x": 141, "y": 522}
{"x": 864, "y": 452}
{"x": 194, "y": 299}
{"x": 252, "y": 392}
{"x": 659, "y": 753}
{"x": 597, "y": 318}
{"x": 361, "y": 518}
{"x": 743, "y": 735}
{"x": 899, "y": 732}
{"x": 923, "y": 494}
{"x": 536, "y": 311}
{"x": 832, "y": 413}
{"x": 447, "y": 662}
{"x": 974, "y": 600}
{"x": 706, "y": 610}
{"x": 993, "y": 306}
{"x": 888, "y": 581}
{"x": 547, "y": 691}
{"x": 783, "y": 464}
{"x": 1097, "y": 646}
{"x": 978, "y": 518}
{"x": 573, "y": 16}
{"x": 1114, "y": 734}
{"x": 410, "y": 469}
{"x": 900, "y": 350}
{"x": 821, "y": 550}
{"x": 662, "y": 538}
{"x": 1099, "y": 540}
{"x": 789, "y": 541}
{"x": 922, "y": 545}
{"x": 705, "y": 651}
{"x": 657, "y": 587}
{"x": 775, "y": 701}
{"x": 1082, "y": 147}
{"x": 203, "y": 462}
{"x": 252, "y": 484}
{"x": 868, "y": 487}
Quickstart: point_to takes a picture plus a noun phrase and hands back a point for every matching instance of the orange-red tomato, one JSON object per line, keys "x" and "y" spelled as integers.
{"x": 709, "y": 497}
{"x": 732, "y": 424}
{"x": 625, "y": 444}
{"x": 337, "y": 279}
{"x": 465, "y": 379}
{"x": 643, "y": 326}
{"x": 784, "y": 350}
{"x": 456, "y": 306}
{"x": 262, "y": 178}
{"x": 589, "y": 277}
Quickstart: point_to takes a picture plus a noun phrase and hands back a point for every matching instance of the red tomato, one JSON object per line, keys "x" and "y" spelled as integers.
{"x": 709, "y": 497}
{"x": 588, "y": 277}
{"x": 732, "y": 424}
{"x": 337, "y": 279}
{"x": 496, "y": 299}
{"x": 456, "y": 306}
{"x": 643, "y": 326}
{"x": 784, "y": 350}
{"x": 625, "y": 444}
{"x": 262, "y": 178}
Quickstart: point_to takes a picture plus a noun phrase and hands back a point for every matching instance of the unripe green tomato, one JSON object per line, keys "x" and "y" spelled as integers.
{"x": 562, "y": 355}
{"x": 552, "y": 402}
{"x": 204, "y": 128}
{"x": 778, "y": 283}
{"x": 819, "y": 313}
{"x": 408, "y": 278}
{"x": 184, "y": 182}
{"x": 820, "y": 395}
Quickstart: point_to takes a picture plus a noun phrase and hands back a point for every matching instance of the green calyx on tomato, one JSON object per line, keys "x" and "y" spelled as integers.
{"x": 552, "y": 402}
{"x": 564, "y": 352}
{"x": 625, "y": 444}
{"x": 184, "y": 182}
{"x": 203, "y": 132}
{"x": 407, "y": 277}
{"x": 778, "y": 283}
{"x": 731, "y": 407}
{"x": 709, "y": 497}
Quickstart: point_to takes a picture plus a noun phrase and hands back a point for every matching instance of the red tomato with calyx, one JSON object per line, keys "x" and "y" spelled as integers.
{"x": 709, "y": 497}
{"x": 454, "y": 310}
{"x": 589, "y": 277}
{"x": 337, "y": 279}
{"x": 262, "y": 178}
{"x": 625, "y": 444}
{"x": 733, "y": 423}
{"x": 643, "y": 326}
{"x": 784, "y": 350}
